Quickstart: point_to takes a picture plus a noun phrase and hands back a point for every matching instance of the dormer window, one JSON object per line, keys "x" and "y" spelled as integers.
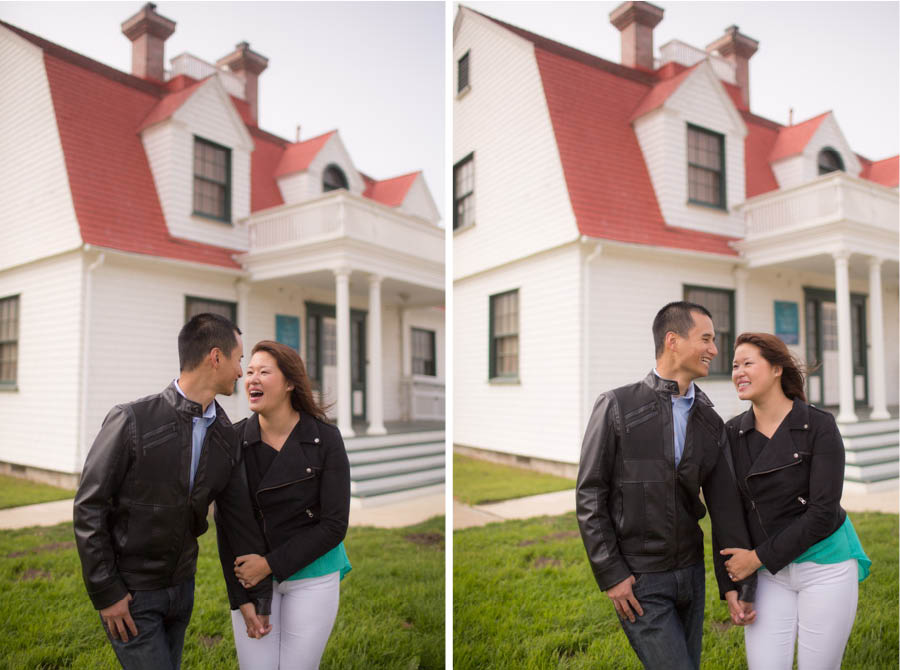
{"x": 212, "y": 180}
{"x": 462, "y": 73}
{"x": 706, "y": 167}
{"x": 333, "y": 178}
{"x": 830, "y": 161}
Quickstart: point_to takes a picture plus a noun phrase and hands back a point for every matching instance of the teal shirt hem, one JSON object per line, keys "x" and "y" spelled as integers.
{"x": 842, "y": 545}
{"x": 332, "y": 561}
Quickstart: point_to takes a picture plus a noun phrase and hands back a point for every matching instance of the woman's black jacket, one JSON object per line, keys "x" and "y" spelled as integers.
{"x": 792, "y": 491}
{"x": 302, "y": 503}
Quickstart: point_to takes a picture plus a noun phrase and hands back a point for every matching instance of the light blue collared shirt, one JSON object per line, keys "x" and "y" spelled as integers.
{"x": 681, "y": 407}
{"x": 200, "y": 424}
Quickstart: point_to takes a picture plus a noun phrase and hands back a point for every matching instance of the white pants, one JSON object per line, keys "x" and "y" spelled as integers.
{"x": 818, "y": 601}
{"x": 303, "y": 614}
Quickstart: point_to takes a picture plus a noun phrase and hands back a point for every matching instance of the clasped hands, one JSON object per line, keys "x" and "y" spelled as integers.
{"x": 249, "y": 570}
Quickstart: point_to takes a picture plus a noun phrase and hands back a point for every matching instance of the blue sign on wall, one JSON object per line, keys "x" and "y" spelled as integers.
{"x": 787, "y": 322}
{"x": 287, "y": 331}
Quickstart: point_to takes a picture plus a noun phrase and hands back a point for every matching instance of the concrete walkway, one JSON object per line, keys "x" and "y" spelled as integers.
{"x": 397, "y": 515}
{"x": 563, "y": 502}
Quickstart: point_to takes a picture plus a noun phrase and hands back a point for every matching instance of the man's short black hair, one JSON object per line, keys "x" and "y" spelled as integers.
{"x": 201, "y": 334}
{"x": 675, "y": 317}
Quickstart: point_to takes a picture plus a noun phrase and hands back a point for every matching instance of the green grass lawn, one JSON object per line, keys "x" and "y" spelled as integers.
{"x": 391, "y": 613}
{"x": 524, "y": 598}
{"x": 15, "y": 492}
{"x": 476, "y": 481}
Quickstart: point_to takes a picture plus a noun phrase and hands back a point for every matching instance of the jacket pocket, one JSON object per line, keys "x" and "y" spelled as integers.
{"x": 158, "y": 436}
{"x": 149, "y": 538}
{"x": 640, "y": 415}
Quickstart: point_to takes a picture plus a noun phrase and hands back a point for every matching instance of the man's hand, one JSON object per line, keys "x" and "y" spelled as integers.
{"x": 742, "y": 613}
{"x": 742, "y": 564}
{"x": 624, "y": 600}
{"x": 258, "y": 626}
{"x": 250, "y": 569}
{"x": 117, "y": 618}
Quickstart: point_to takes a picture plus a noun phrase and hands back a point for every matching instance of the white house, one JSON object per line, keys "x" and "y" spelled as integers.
{"x": 130, "y": 202}
{"x": 587, "y": 194}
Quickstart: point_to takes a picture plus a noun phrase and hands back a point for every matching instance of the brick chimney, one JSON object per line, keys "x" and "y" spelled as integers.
{"x": 737, "y": 48}
{"x": 148, "y": 32}
{"x": 247, "y": 65}
{"x": 636, "y": 21}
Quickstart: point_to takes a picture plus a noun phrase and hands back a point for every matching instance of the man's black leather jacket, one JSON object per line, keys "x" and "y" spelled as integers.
{"x": 136, "y": 519}
{"x": 637, "y": 512}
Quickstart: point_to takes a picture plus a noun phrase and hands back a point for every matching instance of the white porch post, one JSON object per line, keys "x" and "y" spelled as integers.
{"x": 344, "y": 392}
{"x": 243, "y": 295}
{"x": 845, "y": 344}
{"x": 374, "y": 387}
{"x": 740, "y": 302}
{"x": 879, "y": 392}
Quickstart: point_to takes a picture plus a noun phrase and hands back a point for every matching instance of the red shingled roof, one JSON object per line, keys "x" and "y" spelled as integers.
{"x": 885, "y": 172}
{"x": 299, "y": 155}
{"x": 391, "y": 192}
{"x": 792, "y": 140}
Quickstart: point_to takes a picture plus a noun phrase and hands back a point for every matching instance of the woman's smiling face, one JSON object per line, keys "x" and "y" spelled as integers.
{"x": 266, "y": 386}
{"x": 753, "y": 376}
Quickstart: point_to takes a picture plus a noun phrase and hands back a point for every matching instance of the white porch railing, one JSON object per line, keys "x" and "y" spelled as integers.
{"x": 829, "y": 198}
{"x": 424, "y": 398}
{"x": 339, "y": 214}
{"x": 197, "y": 68}
{"x": 685, "y": 54}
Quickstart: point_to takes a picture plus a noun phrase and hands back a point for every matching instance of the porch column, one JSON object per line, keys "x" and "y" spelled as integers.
{"x": 342, "y": 314}
{"x": 243, "y": 321}
{"x": 374, "y": 388}
{"x": 879, "y": 392}
{"x": 740, "y": 302}
{"x": 845, "y": 343}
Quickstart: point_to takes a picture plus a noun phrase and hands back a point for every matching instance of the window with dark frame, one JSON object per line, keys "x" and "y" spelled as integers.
{"x": 333, "y": 178}
{"x": 9, "y": 340}
{"x": 423, "y": 352}
{"x": 504, "y": 335}
{"x": 194, "y": 306}
{"x": 706, "y": 167}
{"x": 829, "y": 160}
{"x": 462, "y": 73}
{"x": 212, "y": 180}
{"x": 720, "y": 303}
{"x": 464, "y": 192}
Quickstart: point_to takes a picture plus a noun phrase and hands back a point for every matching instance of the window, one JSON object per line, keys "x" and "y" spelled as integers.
{"x": 212, "y": 180}
{"x": 720, "y": 303}
{"x": 423, "y": 358}
{"x": 464, "y": 192}
{"x": 706, "y": 167}
{"x": 504, "y": 335}
{"x": 462, "y": 73}
{"x": 830, "y": 161}
{"x": 194, "y": 306}
{"x": 9, "y": 340}
{"x": 333, "y": 178}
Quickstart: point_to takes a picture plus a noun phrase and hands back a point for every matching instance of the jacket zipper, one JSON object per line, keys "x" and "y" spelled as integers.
{"x": 752, "y": 501}
{"x": 272, "y": 488}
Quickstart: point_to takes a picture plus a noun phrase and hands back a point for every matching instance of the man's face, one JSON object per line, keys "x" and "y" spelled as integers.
{"x": 696, "y": 351}
{"x": 229, "y": 370}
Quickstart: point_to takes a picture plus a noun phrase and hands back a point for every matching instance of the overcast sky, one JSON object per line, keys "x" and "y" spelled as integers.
{"x": 373, "y": 70}
{"x": 813, "y": 56}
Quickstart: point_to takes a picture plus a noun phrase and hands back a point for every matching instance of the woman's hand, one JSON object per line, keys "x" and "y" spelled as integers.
{"x": 257, "y": 625}
{"x": 250, "y": 569}
{"x": 742, "y": 564}
{"x": 742, "y": 613}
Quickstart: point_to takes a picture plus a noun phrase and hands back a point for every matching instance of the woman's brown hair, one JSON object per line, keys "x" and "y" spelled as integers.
{"x": 776, "y": 353}
{"x": 294, "y": 371}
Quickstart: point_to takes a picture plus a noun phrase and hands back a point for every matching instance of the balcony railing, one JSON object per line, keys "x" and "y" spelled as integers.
{"x": 830, "y": 198}
{"x": 197, "y": 68}
{"x": 685, "y": 54}
{"x": 339, "y": 214}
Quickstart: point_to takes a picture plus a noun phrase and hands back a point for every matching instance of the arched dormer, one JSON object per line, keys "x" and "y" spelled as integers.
{"x": 829, "y": 160}
{"x": 333, "y": 178}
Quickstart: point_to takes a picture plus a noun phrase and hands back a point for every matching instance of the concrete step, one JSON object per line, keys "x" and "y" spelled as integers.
{"x": 392, "y": 440}
{"x": 877, "y": 486}
{"x": 869, "y": 427}
{"x": 878, "y": 440}
{"x": 395, "y": 483}
{"x": 871, "y": 472}
{"x": 401, "y": 495}
{"x": 388, "y": 468}
{"x": 395, "y": 453}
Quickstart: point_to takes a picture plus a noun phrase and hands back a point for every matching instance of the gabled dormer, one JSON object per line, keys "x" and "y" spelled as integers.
{"x": 814, "y": 147}
{"x": 315, "y": 166}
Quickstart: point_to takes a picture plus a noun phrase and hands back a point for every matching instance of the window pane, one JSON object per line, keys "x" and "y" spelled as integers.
{"x": 312, "y": 333}
{"x": 463, "y": 73}
{"x": 719, "y": 303}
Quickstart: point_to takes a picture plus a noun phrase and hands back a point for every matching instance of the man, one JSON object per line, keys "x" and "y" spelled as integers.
{"x": 145, "y": 491}
{"x": 648, "y": 449}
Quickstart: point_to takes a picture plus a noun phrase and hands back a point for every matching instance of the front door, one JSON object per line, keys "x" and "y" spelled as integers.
{"x": 823, "y": 384}
{"x": 321, "y": 356}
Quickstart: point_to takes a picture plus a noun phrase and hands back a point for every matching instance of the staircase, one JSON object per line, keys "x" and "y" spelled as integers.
{"x": 872, "y": 451}
{"x": 397, "y": 466}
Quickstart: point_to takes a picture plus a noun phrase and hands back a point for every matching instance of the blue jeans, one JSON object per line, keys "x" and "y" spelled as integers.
{"x": 669, "y": 635}
{"x": 161, "y": 617}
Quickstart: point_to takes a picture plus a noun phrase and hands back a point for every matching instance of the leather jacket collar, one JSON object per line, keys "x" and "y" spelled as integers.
{"x": 785, "y": 447}
{"x": 670, "y": 388}
{"x": 191, "y": 408}
{"x": 797, "y": 418}
{"x": 306, "y": 431}
{"x": 291, "y": 464}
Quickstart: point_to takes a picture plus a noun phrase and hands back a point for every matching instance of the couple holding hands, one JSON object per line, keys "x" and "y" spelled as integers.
{"x": 787, "y": 559}
{"x": 280, "y": 481}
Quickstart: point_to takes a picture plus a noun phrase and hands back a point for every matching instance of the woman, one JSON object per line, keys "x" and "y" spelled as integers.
{"x": 299, "y": 478}
{"x": 788, "y": 459}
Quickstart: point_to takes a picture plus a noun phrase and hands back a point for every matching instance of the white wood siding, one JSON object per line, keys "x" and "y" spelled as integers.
{"x": 521, "y": 201}
{"x": 539, "y": 416}
{"x": 37, "y": 217}
{"x": 804, "y": 167}
{"x": 301, "y": 186}
{"x": 662, "y": 135}
{"x": 40, "y": 419}
{"x": 419, "y": 202}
